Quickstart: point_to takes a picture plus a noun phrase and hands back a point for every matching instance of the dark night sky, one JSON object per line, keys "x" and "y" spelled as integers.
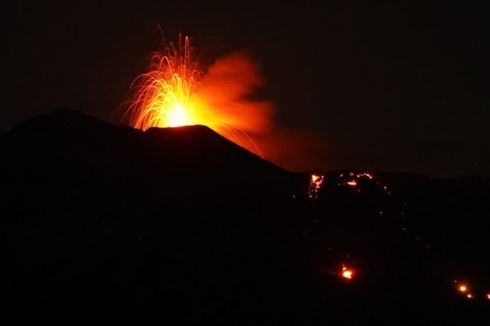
{"x": 397, "y": 86}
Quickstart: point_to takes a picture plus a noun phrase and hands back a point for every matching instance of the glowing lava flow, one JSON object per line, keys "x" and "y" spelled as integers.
{"x": 316, "y": 182}
{"x": 176, "y": 91}
{"x": 347, "y": 273}
{"x": 464, "y": 290}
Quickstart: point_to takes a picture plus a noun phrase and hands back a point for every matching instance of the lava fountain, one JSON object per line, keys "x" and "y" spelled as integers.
{"x": 177, "y": 91}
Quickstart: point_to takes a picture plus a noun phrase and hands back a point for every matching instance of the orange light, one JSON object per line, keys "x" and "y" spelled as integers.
{"x": 316, "y": 178}
{"x": 488, "y": 296}
{"x": 469, "y": 296}
{"x": 347, "y": 273}
{"x": 178, "y": 91}
{"x": 352, "y": 183}
{"x": 365, "y": 175}
{"x": 463, "y": 288}
{"x": 316, "y": 182}
{"x": 178, "y": 116}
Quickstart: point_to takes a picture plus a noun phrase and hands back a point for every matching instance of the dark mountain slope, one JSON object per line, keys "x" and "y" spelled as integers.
{"x": 182, "y": 222}
{"x": 100, "y": 213}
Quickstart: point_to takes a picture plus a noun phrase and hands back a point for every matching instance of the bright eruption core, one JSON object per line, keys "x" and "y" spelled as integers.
{"x": 347, "y": 273}
{"x": 177, "y": 91}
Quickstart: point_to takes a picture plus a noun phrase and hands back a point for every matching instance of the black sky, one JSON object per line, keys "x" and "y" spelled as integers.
{"x": 397, "y": 86}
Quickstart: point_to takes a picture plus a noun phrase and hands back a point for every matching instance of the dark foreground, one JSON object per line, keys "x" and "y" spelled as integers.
{"x": 190, "y": 227}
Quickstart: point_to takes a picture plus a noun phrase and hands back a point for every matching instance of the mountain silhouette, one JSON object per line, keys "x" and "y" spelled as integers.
{"x": 184, "y": 222}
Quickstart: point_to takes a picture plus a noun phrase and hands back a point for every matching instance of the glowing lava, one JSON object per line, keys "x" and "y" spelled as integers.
{"x": 316, "y": 182}
{"x": 178, "y": 115}
{"x": 462, "y": 288}
{"x": 177, "y": 91}
{"x": 352, "y": 183}
{"x": 347, "y": 273}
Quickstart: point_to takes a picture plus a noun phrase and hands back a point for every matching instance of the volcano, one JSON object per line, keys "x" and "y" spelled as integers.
{"x": 186, "y": 224}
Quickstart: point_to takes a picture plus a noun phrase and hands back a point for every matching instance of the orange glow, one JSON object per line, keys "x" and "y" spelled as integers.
{"x": 488, "y": 296}
{"x": 469, "y": 296}
{"x": 463, "y": 288}
{"x": 357, "y": 181}
{"x": 347, "y": 273}
{"x": 365, "y": 175}
{"x": 178, "y": 91}
{"x": 178, "y": 115}
{"x": 316, "y": 182}
{"x": 164, "y": 96}
{"x": 352, "y": 183}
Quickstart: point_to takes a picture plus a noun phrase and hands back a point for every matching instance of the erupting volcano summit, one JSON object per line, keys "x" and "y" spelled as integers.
{"x": 178, "y": 91}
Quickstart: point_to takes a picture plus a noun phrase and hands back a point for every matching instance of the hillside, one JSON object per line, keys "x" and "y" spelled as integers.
{"x": 182, "y": 221}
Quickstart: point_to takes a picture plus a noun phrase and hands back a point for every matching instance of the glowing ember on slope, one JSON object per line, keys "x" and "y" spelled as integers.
{"x": 358, "y": 181}
{"x": 177, "y": 91}
{"x": 352, "y": 183}
{"x": 347, "y": 273}
{"x": 462, "y": 288}
{"x": 365, "y": 175}
{"x": 316, "y": 182}
{"x": 468, "y": 291}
